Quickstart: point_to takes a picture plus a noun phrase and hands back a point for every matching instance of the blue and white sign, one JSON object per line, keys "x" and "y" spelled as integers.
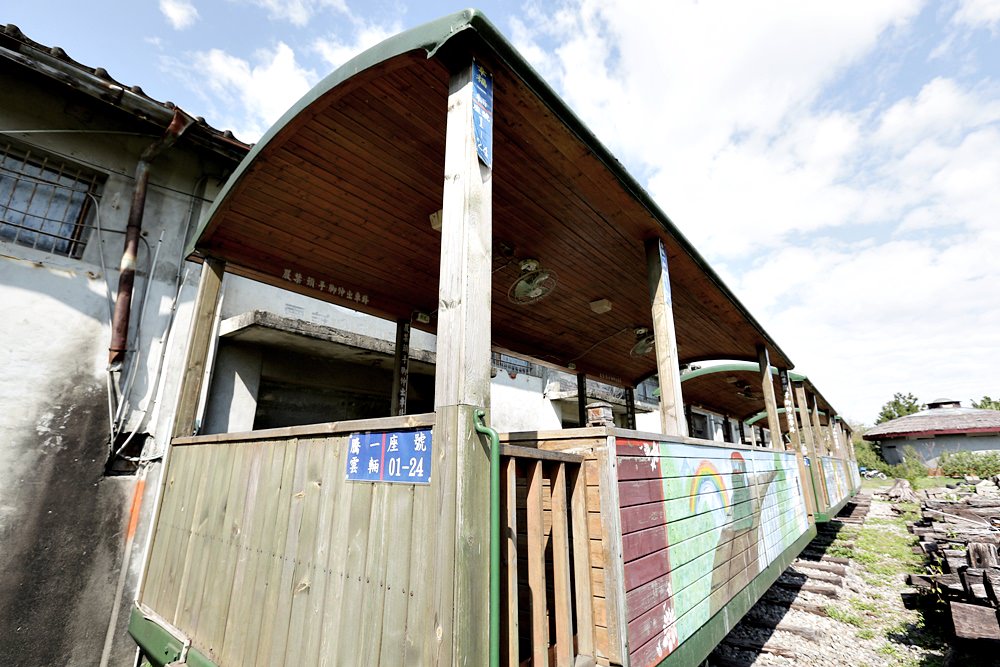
{"x": 403, "y": 456}
{"x": 482, "y": 112}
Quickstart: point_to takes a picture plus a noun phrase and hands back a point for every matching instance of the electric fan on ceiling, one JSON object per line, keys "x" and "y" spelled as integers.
{"x": 533, "y": 284}
{"x": 645, "y": 342}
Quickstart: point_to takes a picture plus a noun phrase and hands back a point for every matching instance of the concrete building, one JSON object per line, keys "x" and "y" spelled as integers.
{"x": 943, "y": 426}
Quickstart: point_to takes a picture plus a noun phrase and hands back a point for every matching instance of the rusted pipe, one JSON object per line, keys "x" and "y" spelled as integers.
{"x": 126, "y": 276}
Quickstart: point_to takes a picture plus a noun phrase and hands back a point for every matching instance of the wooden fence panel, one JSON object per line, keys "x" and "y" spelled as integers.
{"x": 264, "y": 554}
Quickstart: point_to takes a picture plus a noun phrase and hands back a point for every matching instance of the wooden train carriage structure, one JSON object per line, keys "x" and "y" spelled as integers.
{"x": 438, "y": 182}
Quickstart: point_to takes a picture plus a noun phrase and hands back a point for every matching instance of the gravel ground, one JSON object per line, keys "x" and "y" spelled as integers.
{"x": 868, "y": 624}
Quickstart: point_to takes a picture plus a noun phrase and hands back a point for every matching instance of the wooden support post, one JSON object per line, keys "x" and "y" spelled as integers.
{"x": 770, "y": 402}
{"x": 795, "y": 443}
{"x": 809, "y": 433}
{"x": 834, "y": 427}
{"x": 821, "y": 435}
{"x": 199, "y": 345}
{"x": 462, "y": 386}
{"x": 581, "y": 398}
{"x": 630, "y": 408}
{"x": 667, "y": 366}
{"x": 401, "y": 368}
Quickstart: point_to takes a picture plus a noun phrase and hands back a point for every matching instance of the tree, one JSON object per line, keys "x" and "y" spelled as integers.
{"x": 987, "y": 403}
{"x": 900, "y": 406}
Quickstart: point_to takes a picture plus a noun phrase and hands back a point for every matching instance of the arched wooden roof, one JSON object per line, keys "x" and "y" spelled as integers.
{"x": 339, "y": 193}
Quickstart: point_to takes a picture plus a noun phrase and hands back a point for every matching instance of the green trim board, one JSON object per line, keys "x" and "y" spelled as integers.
{"x": 699, "y": 645}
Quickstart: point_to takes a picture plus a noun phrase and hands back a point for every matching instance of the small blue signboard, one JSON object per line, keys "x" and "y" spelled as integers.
{"x": 402, "y": 456}
{"x": 482, "y": 112}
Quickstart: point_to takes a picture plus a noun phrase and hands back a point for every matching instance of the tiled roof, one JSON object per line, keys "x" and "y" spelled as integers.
{"x": 53, "y": 63}
{"x": 938, "y": 420}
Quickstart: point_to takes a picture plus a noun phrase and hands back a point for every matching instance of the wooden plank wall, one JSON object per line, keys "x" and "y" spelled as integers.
{"x": 264, "y": 554}
{"x": 698, "y": 523}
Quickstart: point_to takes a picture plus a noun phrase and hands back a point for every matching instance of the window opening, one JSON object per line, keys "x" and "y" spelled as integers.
{"x": 44, "y": 203}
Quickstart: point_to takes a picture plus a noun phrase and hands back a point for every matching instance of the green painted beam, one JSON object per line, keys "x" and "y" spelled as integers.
{"x": 697, "y": 647}
{"x": 159, "y": 647}
{"x": 744, "y": 366}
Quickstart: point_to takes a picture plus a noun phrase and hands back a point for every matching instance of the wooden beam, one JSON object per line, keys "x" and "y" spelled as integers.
{"x": 789, "y": 401}
{"x": 795, "y": 444}
{"x": 462, "y": 383}
{"x": 199, "y": 345}
{"x": 770, "y": 402}
{"x": 667, "y": 365}
{"x": 815, "y": 465}
{"x": 401, "y": 368}
{"x": 630, "y": 408}
{"x": 581, "y": 398}
{"x": 822, "y": 443}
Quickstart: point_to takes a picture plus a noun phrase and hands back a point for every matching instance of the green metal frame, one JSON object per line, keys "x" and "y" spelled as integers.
{"x": 160, "y": 647}
{"x": 699, "y": 645}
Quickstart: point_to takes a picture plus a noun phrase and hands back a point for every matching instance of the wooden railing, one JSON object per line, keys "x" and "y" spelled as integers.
{"x": 547, "y": 615}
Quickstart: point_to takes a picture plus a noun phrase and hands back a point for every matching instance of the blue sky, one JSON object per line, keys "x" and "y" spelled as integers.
{"x": 838, "y": 163}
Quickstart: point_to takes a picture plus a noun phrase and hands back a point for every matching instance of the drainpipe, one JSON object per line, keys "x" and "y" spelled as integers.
{"x": 126, "y": 277}
{"x": 495, "y": 537}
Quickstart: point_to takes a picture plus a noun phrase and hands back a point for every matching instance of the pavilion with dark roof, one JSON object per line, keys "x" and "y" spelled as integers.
{"x": 943, "y": 426}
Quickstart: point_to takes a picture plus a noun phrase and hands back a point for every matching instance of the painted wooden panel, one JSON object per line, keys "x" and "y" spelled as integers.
{"x": 836, "y": 479}
{"x": 698, "y": 523}
{"x": 852, "y": 469}
{"x": 264, "y": 554}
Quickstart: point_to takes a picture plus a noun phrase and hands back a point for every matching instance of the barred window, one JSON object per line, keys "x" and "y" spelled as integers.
{"x": 44, "y": 203}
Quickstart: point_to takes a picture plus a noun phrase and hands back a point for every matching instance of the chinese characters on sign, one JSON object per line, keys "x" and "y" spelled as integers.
{"x": 403, "y": 456}
{"x": 482, "y": 112}
{"x": 323, "y": 286}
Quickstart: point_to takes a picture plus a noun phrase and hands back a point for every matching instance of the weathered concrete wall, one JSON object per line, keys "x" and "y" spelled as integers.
{"x": 62, "y": 522}
{"x": 930, "y": 449}
{"x": 518, "y": 404}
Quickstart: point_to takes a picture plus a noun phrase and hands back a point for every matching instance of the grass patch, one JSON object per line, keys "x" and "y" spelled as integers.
{"x": 864, "y": 605}
{"x": 847, "y": 617}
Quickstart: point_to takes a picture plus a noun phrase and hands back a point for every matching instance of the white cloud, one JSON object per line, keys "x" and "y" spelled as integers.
{"x": 298, "y": 12}
{"x": 862, "y": 234}
{"x": 978, "y": 13}
{"x": 336, "y": 51}
{"x": 252, "y": 95}
{"x": 181, "y": 13}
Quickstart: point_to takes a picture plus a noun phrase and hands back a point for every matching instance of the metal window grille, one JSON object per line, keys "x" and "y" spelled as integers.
{"x": 44, "y": 203}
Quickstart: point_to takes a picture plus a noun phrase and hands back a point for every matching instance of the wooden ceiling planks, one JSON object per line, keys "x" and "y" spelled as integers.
{"x": 344, "y": 192}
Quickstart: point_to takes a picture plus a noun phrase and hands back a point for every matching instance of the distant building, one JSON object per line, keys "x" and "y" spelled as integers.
{"x": 944, "y": 426}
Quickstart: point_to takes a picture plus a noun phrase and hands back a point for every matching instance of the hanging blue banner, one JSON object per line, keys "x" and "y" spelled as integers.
{"x": 403, "y": 456}
{"x": 482, "y": 112}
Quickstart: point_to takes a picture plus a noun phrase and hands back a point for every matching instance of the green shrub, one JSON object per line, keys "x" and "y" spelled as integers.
{"x": 980, "y": 464}
{"x": 869, "y": 456}
{"x": 911, "y": 469}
